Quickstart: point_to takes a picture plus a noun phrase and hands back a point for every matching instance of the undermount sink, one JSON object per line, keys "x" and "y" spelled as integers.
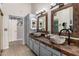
{"x": 37, "y": 34}
{"x": 57, "y": 39}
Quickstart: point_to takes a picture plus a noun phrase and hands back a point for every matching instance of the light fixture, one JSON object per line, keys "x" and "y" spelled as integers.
{"x": 52, "y": 4}
{"x": 43, "y": 10}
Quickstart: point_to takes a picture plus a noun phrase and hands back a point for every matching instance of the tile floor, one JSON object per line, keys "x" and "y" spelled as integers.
{"x": 17, "y": 49}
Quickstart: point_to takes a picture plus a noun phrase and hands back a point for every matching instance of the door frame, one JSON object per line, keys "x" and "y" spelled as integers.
{"x": 17, "y": 18}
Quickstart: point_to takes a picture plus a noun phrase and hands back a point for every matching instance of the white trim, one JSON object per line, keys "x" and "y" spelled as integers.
{"x": 23, "y": 31}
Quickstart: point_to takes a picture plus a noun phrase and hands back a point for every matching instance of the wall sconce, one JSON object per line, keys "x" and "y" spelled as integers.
{"x": 53, "y": 5}
{"x": 56, "y": 4}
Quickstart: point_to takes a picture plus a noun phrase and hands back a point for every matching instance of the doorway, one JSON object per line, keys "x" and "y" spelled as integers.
{"x": 12, "y": 30}
{"x": 15, "y": 31}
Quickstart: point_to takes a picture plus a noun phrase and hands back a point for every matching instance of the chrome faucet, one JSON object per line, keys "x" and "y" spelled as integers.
{"x": 67, "y": 30}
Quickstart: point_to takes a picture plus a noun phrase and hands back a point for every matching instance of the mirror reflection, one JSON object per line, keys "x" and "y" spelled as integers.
{"x": 63, "y": 19}
{"x": 42, "y": 22}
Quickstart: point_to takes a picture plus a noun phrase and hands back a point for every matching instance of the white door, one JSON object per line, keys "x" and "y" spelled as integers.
{"x": 12, "y": 30}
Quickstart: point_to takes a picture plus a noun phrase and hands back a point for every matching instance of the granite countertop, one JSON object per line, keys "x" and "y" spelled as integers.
{"x": 70, "y": 50}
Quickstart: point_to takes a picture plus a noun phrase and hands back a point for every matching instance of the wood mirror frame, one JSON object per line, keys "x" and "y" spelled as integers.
{"x": 75, "y": 6}
{"x": 42, "y": 15}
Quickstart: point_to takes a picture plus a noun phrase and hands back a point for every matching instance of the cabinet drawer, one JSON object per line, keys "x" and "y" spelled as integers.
{"x": 43, "y": 45}
{"x": 37, "y": 42}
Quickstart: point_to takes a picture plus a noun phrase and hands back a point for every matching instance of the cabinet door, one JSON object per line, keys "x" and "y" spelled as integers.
{"x": 44, "y": 51}
{"x": 28, "y": 41}
{"x": 33, "y": 41}
{"x": 36, "y": 47}
{"x": 31, "y": 44}
{"x": 54, "y": 52}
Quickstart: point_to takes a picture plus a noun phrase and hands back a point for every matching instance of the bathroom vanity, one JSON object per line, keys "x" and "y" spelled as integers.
{"x": 43, "y": 46}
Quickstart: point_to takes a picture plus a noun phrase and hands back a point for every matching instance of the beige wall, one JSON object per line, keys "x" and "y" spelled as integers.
{"x": 38, "y": 6}
{"x": 12, "y": 9}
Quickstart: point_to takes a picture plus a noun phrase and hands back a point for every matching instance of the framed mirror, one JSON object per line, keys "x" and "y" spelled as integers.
{"x": 33, "y": 23}
{"x": 62, "y": 18}
{"x": 42, "y": 23}
{"x": 67, "y": 17}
